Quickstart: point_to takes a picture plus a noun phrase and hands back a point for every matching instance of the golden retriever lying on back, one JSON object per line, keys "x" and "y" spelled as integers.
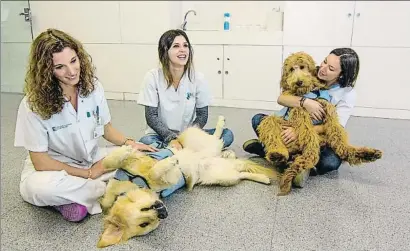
{"x": 201, "y": 161}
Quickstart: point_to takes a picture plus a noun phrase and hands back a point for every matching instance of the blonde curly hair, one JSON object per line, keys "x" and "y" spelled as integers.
{"x": 42, "y": 89}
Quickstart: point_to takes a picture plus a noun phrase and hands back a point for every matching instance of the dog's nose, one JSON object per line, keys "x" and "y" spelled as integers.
{"x": 299, "y": 83}
{"x": 161, "y": 209}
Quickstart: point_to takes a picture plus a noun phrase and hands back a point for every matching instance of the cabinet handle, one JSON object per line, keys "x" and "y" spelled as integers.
{"x": 358, "y": 15}
{"x": 219, "y": 72}
{"x": 226, "y": 72}
{"x": 227, "y": 59}
{"x": 217, "y": 58}
{"x": 349, "y": 15}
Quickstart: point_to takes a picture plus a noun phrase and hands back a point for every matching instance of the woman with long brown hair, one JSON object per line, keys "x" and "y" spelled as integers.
{"x": 61, "y": 118}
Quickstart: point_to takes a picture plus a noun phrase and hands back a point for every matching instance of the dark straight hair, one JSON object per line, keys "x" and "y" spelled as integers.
{"x": 349, "y": 64}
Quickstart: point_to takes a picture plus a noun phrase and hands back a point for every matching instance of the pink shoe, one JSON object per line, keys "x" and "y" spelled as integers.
{"x": 72, "y": 212}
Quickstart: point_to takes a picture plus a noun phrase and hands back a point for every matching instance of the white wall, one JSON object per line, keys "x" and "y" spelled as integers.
{"x": 243, "y": 66}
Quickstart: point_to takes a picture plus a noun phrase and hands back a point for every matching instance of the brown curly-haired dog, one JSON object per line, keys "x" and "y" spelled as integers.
{"x": 299, "y": 79}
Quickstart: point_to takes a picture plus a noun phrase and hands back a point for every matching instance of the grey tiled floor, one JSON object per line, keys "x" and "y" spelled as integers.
{"x": 364, "y": 208}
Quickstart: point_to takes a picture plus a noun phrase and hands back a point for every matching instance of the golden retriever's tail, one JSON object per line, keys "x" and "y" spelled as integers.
{"x": 253, "y": 167}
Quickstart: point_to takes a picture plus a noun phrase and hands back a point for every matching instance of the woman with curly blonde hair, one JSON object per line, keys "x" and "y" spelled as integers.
{"x": 59, "y": 122}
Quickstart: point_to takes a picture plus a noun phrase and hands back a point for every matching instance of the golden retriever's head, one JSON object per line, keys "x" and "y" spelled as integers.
{"x": 135, "y": 213}
{"x": 299, "y": 75}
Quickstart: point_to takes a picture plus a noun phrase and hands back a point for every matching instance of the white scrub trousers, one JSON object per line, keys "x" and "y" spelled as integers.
{"x": 55, "y": 188}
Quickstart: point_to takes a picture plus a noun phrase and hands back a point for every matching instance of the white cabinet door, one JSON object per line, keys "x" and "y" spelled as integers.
{"x": 87, "y": 21}
{"x": 317, "y": 23}
{"x": 208, "y": 60}
{"x": 382, "y": 23}
{"x": 122, "y": 67}
{"x": 252, "y": 72}
{"x": 383, "y": 80}
{"x": 317, "y": 53}
{"x": 15, "y": 45}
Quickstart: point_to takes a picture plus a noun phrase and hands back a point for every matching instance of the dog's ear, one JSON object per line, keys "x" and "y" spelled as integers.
{"x": 112, "y": 234}
{"x": 285, "y": 73}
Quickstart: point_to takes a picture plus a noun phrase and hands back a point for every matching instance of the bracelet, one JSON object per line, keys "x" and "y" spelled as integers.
{"x": 125, "y": 141}
{"x": 89, "y": 173}
{"x": 302, "y": 101}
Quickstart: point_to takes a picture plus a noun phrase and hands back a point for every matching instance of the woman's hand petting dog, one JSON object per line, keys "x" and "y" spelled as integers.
{"x": 142, "y": 147}
{"x": 314, "y": 108}
{"x": 96, "y": 170}
{"x": 288, "y": 134}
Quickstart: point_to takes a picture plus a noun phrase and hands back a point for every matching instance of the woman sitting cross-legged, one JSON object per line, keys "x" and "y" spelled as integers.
{"x": 174, "y": 95}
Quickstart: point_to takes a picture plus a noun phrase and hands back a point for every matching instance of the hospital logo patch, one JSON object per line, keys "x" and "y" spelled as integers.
{"x": 56, "y": 128}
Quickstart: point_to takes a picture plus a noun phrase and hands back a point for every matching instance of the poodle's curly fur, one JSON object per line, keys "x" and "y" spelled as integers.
{"x": 299, "y": 78}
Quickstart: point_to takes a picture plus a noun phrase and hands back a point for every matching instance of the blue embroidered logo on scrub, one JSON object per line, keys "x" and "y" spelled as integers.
{"x": 188, "y": 95}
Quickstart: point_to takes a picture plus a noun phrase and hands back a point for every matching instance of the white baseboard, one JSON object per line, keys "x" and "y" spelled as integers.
{"x": 114, "y": 95}
{"x": 381, "y": 113}
{"x": 131, "y": 96}
{"x": 358, "y": 111}
{"x": 246, "y": 104}
{"x": 11, "y": 89}
{"x": 265, "y": 105}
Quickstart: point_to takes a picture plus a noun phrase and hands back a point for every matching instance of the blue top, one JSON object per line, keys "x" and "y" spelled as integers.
{"x": 323, "y": 94}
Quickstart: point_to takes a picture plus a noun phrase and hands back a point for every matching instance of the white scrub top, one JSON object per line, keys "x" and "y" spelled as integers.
{"x": 175, "y": 107}
{"x": 344, "y": 99}
{"x": 69, "y": 136}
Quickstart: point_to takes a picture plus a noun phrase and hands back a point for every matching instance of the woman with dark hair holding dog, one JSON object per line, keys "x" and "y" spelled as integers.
{"x": 339, "y": 72}
{"x": 59, "y": 121}
{"x": 174, "y": 95}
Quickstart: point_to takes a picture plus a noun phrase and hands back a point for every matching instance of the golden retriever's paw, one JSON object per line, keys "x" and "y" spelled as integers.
{"x": 265, "y": 180}
{"x": 228, "y": 154}
{"x": 115, "y": 159}
{"x": 221, "y": 122}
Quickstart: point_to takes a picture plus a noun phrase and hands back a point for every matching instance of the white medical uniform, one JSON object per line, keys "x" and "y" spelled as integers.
{"x": 175, "y": 107}
{"x": 344, "y": 99}
{"x": 70, "y": 137}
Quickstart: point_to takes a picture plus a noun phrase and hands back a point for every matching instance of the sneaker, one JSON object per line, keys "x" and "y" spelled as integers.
{"x": 72, "y": 212}
{"x": 301, "y": 178}
{"x": 254, "y": 146}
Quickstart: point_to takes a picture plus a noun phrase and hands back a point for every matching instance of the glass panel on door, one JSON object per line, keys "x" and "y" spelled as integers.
{"x": 16, "y": 38}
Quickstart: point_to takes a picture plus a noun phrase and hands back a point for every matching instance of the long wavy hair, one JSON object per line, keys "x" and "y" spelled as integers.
{"x": 164, "y": 44}
{"x": 42, "y": 89}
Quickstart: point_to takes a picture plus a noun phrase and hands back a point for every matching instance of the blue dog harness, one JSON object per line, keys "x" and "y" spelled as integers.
{"x": 318, "y": 94}
{"x": 140, "y": 181}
